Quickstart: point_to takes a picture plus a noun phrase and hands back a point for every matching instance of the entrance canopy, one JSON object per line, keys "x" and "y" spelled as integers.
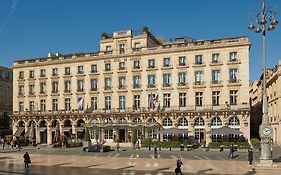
{"x": 224, "y": 130}
{"x": 172, "y": 131}
{"x": 19, "y": 131}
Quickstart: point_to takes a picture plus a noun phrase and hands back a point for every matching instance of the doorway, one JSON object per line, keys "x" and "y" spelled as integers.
{"x": 122, "y": 135}
{"x": 43, "y": 136}
{"x": 200, "y": 135}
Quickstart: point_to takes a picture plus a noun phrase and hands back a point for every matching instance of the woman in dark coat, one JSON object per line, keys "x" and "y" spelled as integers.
{"x": 250, "y": 157}
{"x": 26, "y": 159}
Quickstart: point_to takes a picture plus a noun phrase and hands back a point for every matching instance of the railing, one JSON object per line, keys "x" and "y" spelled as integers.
{"x": 159, "y": 109}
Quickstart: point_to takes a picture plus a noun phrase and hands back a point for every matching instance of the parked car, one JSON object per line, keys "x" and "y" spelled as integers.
{"x": 97, "y": 148}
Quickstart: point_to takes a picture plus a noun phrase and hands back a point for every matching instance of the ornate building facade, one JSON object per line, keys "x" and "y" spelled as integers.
{"x": 135, "y": 83}
{"x": 6, "y": 103}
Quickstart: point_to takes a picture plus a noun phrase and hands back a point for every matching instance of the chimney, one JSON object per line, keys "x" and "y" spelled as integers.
{"x": 50, "y": 55}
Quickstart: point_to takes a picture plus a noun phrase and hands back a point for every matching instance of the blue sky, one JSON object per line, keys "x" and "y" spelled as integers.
{"x": 33, "y": 28}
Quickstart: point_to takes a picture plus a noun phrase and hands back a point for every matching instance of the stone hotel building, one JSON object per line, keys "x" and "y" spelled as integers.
{"x": 135, "y": 83}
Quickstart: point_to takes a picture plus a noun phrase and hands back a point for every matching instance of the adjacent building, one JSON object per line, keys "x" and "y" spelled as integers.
{"x": 135, "y": 83}
{"x": 6, "y": 96}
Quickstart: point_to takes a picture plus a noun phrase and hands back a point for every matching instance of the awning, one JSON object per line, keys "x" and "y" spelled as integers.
{"x": 27, "y": 133}
{"x": 19, "y": 131}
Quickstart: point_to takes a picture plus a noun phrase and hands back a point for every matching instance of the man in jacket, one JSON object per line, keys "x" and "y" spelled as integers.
{"x": 26, "y": 159}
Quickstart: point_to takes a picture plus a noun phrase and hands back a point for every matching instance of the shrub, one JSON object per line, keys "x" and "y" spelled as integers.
{"x": 22, "y": 140}
{"x": 146, "y": 142}
{"x": 86, "y": 135}
{"x": 255, "y": 142}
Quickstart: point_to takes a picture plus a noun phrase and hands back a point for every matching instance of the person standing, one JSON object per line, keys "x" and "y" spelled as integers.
{"x": 250, "y": 158}
{"x": 155, "y": 152}
{"x": 179, "y": 164}
{"x": 26, "y": 159}
{"x": 117, "y": 146}
{"x": 231, "y": 150}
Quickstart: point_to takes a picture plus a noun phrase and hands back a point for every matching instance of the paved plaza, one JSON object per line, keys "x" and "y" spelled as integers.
{"x": 70, "y": 161}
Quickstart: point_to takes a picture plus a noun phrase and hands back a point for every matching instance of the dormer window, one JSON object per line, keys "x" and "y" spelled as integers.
{"x": 137, "y": 45}
{"x": 107, "y": 48}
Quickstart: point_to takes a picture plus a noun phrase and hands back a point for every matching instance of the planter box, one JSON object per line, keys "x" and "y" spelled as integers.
{"x": 86, "y": 144}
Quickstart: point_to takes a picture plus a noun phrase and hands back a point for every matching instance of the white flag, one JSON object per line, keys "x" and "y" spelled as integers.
{"x": 80, "y": 104}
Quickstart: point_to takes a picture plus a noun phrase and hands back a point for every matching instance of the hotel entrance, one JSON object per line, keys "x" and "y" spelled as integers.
{"x": 122, "y": 135}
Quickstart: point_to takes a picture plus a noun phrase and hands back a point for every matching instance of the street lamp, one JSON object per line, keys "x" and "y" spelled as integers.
{"x": 265, "y": 129}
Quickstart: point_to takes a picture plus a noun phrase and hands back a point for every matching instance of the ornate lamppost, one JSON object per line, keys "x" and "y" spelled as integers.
{"x": 265, "y": 129}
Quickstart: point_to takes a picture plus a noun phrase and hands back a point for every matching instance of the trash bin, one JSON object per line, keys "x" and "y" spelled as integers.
{"x": 221, "y": 148}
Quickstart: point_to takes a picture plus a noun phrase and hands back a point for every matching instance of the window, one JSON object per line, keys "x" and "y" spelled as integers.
{"x": 21, "y": 107}
{"x": 215, "y": 57}
{"x": 31, "y": 106}
{"x": 94, "y": 103}
{"x": 136, "y": 64}
{"x": 198, "y": 77}
{"x": 166, "y": 62}
{"x": 31, "y": 74}
{"x": 199, "y": 122}
{"x": 182, "y": 99}
{"x": 107, "y": 67}
{"x": 94, "y": 68}
{"x": 108, "y": 48}
{"x": 151, "y": 80}
{"x": 21, "y": 89}
{"x": 233, "y": 97}
{"x": 42, "y": 73}
{"x": 216, "y": 121}
{"x": 107, "y": 103}
{"x": 55, "y": 87}
{"x": 122, "y": 48}
{"x": 107, "y": 83}
{"x": 182, "y": 122}
{"x": 182, "y": 61}
{"x": 167, "y": 122}
{"x": 234, "y": 121}
{"x": 121, "y": 82}
{"x": 137, "y": 45}
{"x": 31, "y": 89}
{"x": 167, "y": 100}
{"x": 121, "y": 65}
{"x": 21, "y": 75}
{"x": 233, "y": 56}
{"x": 67, "y": 86}
{"x": 55, "y": 72}
{"x": 151, "y": 101}
{"x": 42, "y": 88}
{"x": 122, "y": 103}
{"x": 198, "y": 98}
{"x": 216, "y": 98}
{"x": 108, "y": 134}
{"x": 136, "y": 102}
{"x": 151, "y": 63}
{"x": 54, "y": 104}
{"x": 198, "y": 59}
{"x": 182, "y": 78}
{"x": 94, "y": 84}
{"x": 80, "y": 70}
{"x": 80, "y": 85}
{"x": 215, "y": 76}
{"x": 42, "y": 105}
{"x": 233, "y": 75}
{"x": 166, "y": 80}
{"x": 67, "y": 71}
{"x": 136, "y": 81}
{"x": 67, "y": 104}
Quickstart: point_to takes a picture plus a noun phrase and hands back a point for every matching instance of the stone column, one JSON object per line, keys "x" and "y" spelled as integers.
{"x": 208, "y": 136}
{"x": 49, "y": 134}
{"x": 74, "y": 130}
{"x": 37, "y": 131}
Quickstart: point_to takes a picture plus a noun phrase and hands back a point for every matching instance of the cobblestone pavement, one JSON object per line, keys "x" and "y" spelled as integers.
{"x": 49, "y": 161}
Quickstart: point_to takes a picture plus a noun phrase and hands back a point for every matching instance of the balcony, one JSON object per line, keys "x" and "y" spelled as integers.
{"x": 121, "y": 70}
{"x": 182, "y": 85}
{"x": 136, "y": 49}
{"x": 107, "y": 88}
{"x": 216, "y": 63}
{"x": 166, "y": 85}
{"x": 216, "y": 83}
{"x": 136, "y": 86}
{"x": 151, "y": 68}
{"x": 107, "y": 52}
{"x": 199, "y": 84}
{"x": 94, "y": 89}
{"x": 182, "y": 65}
{"x": 233, "y": 61}
{"x": 80, "y": 90}
{"x": 166, "y": 66}
{"x": 151, "y": 86}
{"x": 199, "y": 64}
{"x": 121, "y": 87}
{"x": 234, "y": 82}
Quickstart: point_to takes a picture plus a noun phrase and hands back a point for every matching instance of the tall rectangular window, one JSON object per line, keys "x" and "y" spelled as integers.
{"x": 215, "y": 76}
{"x": 136, "y": 102}
{"x": 151, "y": 80}
{"x": 43, "y": 73}
{"x": 67, "y": 71}
{"x": 198, "y": 59}
{"x": 55, "y": 105}
{"x": 182, "y": 99}
{"x": 67, "y": 86}
{"x": 31, "y": 106}
{"x": 198, "y": 77}
{"x": 122, "y": 103}
{"x": 182, "y": 78}
{"x": 80, "y": 69}
{"x": 94, "y": 103}
{"x": 122, "y": 48}
{"x": 233, "y": 75}
{"x": 80, "y": 85}
{"x": 21, "y": 89}
{"x": 136, "y": 81}
{"x": 94, "y": 68}
{"x": 136, "y": 64}
{"x": 107, "y": 83}
{"x": 166, "y": 79}
{"x": 31, "y": 89}
{"x": 31, "y": 74}
{"x": 233, "y": 56}
{"x": 151, "y": 63}
{"x": 42, "y": 87}
{"x": 167, "y": 100}
{"x": 107, "y": 67}
{"x": 67, "y": 104}
{"x": 233, "y": 97}
{"x": 198, "y": 98}
{"x": 55, "y": 72}
{"x": 94, "y": 84}
{"x": 21, "y": 106}
{"x": 216, "y": 98}
{"x": 55, "y": 87}
{"x": 166, "y": 62}
{"x": 21, "y": 75}
{"x": 215, "y": 57}
{"x": 107, "y": 102}
{"x": 122, "y": 82}
{"x": 42, "y": 105}
{"x": 122, "y": 65}
{"x": 182, "y": 61}
{"x": 108, "y": 134}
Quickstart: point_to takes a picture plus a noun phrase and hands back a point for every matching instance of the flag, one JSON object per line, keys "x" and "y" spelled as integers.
{"x": 150, "y": 102}
{"x": 80, "y": 104}
{"x": 155, "y": 101}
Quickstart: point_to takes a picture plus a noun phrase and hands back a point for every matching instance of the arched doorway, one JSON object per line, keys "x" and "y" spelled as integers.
{"x": 43, "y": 131}
{"x": 80, "y": 128}
{"x": 199, "y": 125}
{"x": 67, "y": 128}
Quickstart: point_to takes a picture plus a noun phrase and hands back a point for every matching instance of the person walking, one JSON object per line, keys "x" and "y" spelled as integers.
{"x": 26, "y": 159}
{"x": 155, "y": 152}
{"x": 231, "y": 150}
{"x": 178, "y": 168}
{"x": 117, "y": 146}
{"x": 250, "y": 158}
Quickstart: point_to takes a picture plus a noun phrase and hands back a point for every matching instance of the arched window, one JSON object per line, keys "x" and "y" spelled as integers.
{"x": 67, "y": 123}
{"x": 80, "y": 123}
{"x": 234, "y": 121}
{"x": 55, "y": 123}
{"x": 151, "y": 121}
{"x": 122, "y": 121}
{"x": 216, "y": 121}
{"x": 43, "y": 123}
{"x": 136, "y": 121}
{"x": 183, "y": 122}
{"x": 167, "y": 122}
{"x": 199, "y": 121}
